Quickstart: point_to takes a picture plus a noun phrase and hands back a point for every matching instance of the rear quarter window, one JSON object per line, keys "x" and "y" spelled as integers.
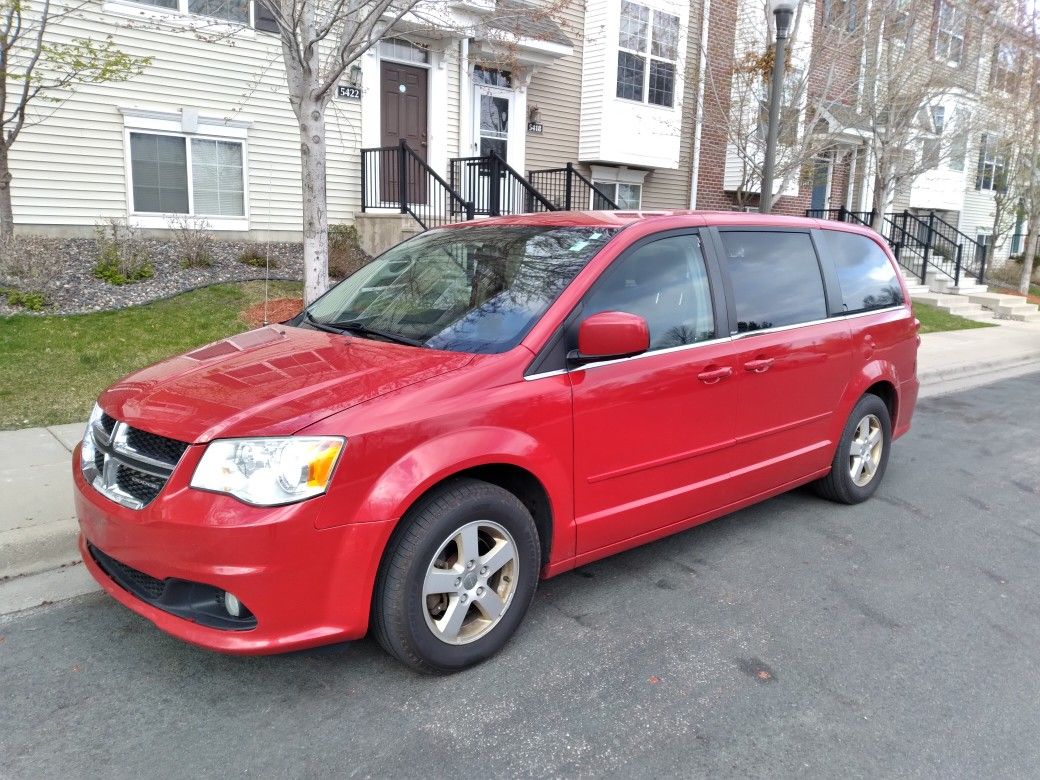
{"x": 867, "y": 278}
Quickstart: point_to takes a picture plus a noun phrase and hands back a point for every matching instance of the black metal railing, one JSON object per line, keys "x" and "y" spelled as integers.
{"x": 569, "y": 189}
{"x": 494, "y": 187}
{"x": 395, "y": 177}
{"x": 842, "y": 214}
{"x": 974, "y": 253}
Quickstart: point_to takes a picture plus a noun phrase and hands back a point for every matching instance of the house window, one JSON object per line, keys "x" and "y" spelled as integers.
{"x": 949, "y": 37}
{"x": 991, "y": 167}
{"x": 173, "y": 174}
{"x": 490, "y": 77}
{"x": 628, "y": 197}
{"x": 648, "y": 48}
{"x": 900, "y": 22}
{"x": 405, "y": 51}
{"x": 231, "y": 11}
{"x": 244, "y": 13}
{"x": 840, "y": 14}
{"x": 263, "y": 18}
{"x": 1004, "y": 71}
{"x": 932, "y": 147}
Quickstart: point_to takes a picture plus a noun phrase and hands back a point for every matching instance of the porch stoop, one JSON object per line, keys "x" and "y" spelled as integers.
{"x": 377, "y": 232}
{"x": 952, "y": 303}
{"x": 1007, "y": 307}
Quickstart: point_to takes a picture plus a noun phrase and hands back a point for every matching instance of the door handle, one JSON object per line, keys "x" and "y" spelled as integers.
{"x": 759, "y": 366}
{"x": 712, "y": 375}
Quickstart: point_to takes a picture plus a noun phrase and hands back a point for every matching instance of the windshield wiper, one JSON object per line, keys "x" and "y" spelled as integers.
{"x": 361, "y": 329}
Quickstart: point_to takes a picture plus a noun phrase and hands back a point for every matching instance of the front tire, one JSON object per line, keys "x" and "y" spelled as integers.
{"x": 457, "y": 577}
{"x": 862, "y": 456}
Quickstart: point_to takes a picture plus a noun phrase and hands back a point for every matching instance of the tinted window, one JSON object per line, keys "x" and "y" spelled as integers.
{"x": 471, "y": 289}
{"x": 665, "y": 283}
{"x": 867, "y": 278}
{"x": 776, "y": 279}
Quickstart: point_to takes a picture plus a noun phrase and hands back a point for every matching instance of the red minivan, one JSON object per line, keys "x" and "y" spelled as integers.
{"x": 486, "y": 405}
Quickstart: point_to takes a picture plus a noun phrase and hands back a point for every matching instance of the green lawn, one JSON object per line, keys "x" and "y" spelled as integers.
{"x": 934, "y": 320}
{"x": 52, "y": 368}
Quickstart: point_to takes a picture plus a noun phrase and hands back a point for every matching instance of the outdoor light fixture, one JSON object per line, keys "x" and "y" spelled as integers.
{"x": 783, "y": 13}
{"x": 355, "y": 75}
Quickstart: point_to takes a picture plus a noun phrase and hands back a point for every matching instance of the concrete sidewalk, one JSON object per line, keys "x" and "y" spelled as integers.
{"x": 38, "y": 528}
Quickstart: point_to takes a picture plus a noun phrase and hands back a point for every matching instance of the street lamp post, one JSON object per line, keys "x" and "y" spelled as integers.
{"x": 783, "y": 12}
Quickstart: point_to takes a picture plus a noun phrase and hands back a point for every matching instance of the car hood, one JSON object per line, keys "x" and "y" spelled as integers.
{"x": 271, "y": 381}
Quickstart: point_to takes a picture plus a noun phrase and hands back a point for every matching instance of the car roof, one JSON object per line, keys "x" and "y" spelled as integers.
{"x": 678, "y": 218}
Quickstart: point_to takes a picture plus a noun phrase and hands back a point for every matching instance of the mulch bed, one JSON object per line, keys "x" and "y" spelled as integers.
{"x": 277, "y": 310}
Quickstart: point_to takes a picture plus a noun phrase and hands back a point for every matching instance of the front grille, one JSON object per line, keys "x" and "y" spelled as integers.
{"x": 130, "y": 466}
{"x": 144, "y": 487}
{"x": 155, "y": 447}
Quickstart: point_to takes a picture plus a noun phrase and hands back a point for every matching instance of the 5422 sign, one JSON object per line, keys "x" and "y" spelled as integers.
{"x": 348, "y": 92}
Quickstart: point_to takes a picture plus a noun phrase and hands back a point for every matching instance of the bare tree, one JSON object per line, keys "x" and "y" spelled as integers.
{"x": 38, "y": 73}
{"x": 819, "y": 91}
{"x": 907, "y": 78}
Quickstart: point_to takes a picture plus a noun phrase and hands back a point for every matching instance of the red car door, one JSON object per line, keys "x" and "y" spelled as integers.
{"x": 792, "y": 360}
{"x": 653, "y": 434}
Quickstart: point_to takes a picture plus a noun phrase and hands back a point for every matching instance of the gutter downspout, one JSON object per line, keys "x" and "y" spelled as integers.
{"x": 695, "y": 166}
{"x": 465, "y": 101}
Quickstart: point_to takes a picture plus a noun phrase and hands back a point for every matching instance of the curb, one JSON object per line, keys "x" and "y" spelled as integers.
{"x": 40, "y": 564}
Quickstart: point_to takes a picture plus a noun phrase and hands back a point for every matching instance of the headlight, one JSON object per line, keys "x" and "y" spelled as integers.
{"x": 268, "y": 472}
{"x": 87, "y": 451}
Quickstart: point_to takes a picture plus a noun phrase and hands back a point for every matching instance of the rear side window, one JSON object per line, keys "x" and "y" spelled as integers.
{"x": 665, "y": 282}
{"x": 867, "y": 278}
{"x": 776, "y": 279}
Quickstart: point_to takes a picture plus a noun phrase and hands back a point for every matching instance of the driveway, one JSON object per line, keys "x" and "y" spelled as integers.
{"x": 900, "y": 637}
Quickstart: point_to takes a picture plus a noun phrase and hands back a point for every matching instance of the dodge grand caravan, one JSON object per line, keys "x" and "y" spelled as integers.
{"x": 486, "y": 405}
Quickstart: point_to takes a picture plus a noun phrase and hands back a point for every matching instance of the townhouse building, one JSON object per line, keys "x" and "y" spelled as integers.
{"x": 602, "y": 104}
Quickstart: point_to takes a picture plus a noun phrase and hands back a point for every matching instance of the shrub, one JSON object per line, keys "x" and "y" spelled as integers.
{"x": 120, "y": 257}
{"x": 32, "y": 300}
{"x": 192, "y": 241}
{"x": 256, "y": 256}
{"x": 345, "y": 253}
{"x": 23, "y": 261}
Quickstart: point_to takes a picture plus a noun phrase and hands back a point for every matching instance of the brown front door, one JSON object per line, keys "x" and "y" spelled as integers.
{"x": 404, "y": 102}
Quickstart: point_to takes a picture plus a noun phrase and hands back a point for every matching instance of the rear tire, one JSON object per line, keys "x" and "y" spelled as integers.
{"x": 862, "y": 455}
{"x": 457, "y": 577}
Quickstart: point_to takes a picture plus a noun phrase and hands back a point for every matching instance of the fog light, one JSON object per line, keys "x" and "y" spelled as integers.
{"x": 232, "y": 605}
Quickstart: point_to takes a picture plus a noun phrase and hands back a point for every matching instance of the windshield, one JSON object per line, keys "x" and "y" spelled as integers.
{"x": 472, "y": 289}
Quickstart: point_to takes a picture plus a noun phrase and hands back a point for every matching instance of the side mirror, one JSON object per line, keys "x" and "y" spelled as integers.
{"x": 610, "y": 334}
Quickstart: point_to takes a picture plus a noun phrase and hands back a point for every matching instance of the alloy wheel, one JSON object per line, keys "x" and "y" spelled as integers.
{"x": 470, "y": 582}
{"x": 865, "y": 450}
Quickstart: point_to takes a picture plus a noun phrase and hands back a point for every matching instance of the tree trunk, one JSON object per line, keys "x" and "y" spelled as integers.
{"x": 313, "y": 164}
{"x": 1032, "y": 245}
{"x": 6, "y": 212}
{"x": 881, "y": 199}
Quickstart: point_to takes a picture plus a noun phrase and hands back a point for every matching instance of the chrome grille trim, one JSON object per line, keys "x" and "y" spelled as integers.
{"x": 119, "y": 471}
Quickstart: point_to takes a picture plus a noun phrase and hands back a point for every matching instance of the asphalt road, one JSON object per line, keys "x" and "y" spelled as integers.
{"x": 896, "y": 638}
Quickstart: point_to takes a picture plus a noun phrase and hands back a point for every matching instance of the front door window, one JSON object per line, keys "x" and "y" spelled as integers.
{"x": 494, "y": 125}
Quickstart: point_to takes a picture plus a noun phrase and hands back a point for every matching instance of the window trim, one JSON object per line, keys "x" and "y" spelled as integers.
{"x": 647, "y": 56}
{"x": 997, "y": 162}
{"x": 607, "y": 187}
{"x": 169, "y": 124}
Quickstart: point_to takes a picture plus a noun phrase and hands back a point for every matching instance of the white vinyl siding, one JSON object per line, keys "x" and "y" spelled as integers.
{"x": 71, "y": 169}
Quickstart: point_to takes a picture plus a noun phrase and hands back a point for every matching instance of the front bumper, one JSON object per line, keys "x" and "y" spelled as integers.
{"x": 305, "y": 586}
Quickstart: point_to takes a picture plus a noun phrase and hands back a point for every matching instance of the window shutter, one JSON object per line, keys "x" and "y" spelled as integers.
{"x": 263, "y": 18}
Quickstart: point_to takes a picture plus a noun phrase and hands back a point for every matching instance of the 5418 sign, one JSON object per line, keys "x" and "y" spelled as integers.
{"x": 348, "y": 92}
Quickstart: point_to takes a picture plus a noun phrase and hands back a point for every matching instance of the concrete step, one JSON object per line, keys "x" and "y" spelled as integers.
{"x": 954, "y": 304}
{"x": 967, "y": 289}
{"x": 1031, "y": 317}
{"x": 1005, "y": 305}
